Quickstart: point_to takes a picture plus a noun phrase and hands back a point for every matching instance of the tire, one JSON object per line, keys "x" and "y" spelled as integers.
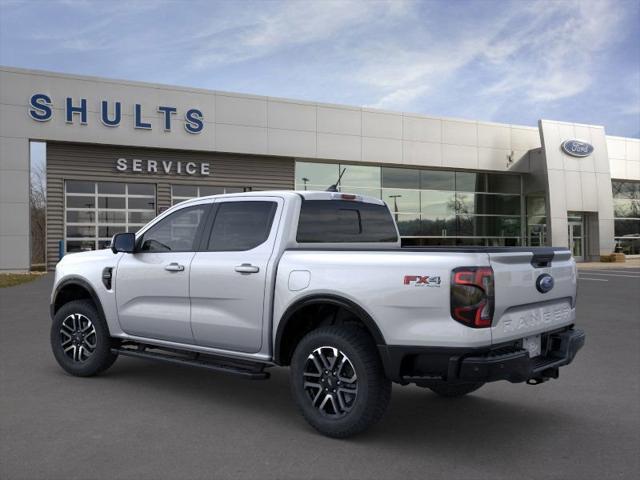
{"x": 355, "y": 397}
{"x": 451, "y": 390}
{"x": 82, "y": 332}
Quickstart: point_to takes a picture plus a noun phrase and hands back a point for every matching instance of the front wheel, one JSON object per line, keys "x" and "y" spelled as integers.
{"x": 338, "y": 382}
{"x": 80, "y": 339}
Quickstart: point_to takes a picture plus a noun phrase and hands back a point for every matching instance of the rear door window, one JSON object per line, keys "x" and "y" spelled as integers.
{"x": 342, "y": 221}
{"x": 240, "y": 226}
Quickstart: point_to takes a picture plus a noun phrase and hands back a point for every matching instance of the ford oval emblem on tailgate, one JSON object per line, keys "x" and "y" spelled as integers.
{"x": 544, "y": 283}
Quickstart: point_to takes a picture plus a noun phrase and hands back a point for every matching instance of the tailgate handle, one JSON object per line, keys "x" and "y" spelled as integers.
{"x": 540, "y": 260}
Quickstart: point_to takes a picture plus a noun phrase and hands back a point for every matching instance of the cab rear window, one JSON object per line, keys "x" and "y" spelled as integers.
{"x": 342, "y": 221}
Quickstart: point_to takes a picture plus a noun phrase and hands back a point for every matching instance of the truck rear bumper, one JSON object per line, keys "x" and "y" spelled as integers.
{"x": 424, "y": 365}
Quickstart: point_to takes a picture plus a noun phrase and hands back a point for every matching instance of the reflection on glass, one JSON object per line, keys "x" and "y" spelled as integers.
{"x": 629, "y": 245}
{"x": 409, "y": 225}
{"x": 487, "y": 204}
{"x": 400, "y": 178}
{"x": 321, "y": 174}
{"x": 435, "y": 203}
{"x": 470, "y": 182}
{"x": 626, "y": 227}
{"x": 77, "y": 231}
{"x": 81, "y": 216}
{"x": 537, "y": 231}
{"x": 111, "y": 230}
{"x": 368, "y": 192}
{"x": 359, "y": 176}
{"x": 577, "y": 247}
{"x": 626, "y": 189}
{"x": 436, "y": 226}
{"x": 80, "y": 202}
{"x": 142, "y": 203}
{"x": 481, "y": 208}
{"x": 490, "y": 226}
{"x": 112, "y": 217}
{"x": 75, "y": 186}
{"x": 625, "y": 208}
{"x": 536, "y": 205}
{"x": 437, "y": 180}
{"x": 111, "y": 188}
{"x": 141, "y": 189}
{"x": 403, "y": 201}
{"x": 110, "y": 198}
{"x": 80, "y": 246}
{"x": 141, "y": 217}
{"x": 111, "y": 202}
{"x": 465, "y": 203}
{"x": 503, "y": 183}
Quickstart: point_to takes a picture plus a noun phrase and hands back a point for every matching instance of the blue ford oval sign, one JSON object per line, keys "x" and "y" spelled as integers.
{"x": 544, "y": 283}
{"x": 577, "y": 148}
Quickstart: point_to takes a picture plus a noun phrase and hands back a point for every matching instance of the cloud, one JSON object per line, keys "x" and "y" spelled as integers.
{"x": 556, "y": 62}
{"x": 285, "y": 25}
{"x": 540, "y": 51}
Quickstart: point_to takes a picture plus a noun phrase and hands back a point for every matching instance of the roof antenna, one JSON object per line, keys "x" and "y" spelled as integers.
{"x": 334, "y": 187}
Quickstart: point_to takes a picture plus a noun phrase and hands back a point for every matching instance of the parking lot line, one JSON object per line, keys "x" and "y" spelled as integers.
{"x": 612, "y": 275}
{"x": 626, "y": 271}
{"x": 594, "y": 279}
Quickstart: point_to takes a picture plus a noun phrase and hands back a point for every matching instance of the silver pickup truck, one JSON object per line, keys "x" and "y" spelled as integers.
{"x": 316, "y": 281}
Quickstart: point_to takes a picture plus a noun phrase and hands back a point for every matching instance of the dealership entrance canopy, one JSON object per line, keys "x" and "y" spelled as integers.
{"x": 120, "y": 152}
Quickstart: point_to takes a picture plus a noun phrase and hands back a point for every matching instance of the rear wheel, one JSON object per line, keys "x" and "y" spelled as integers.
{"x": 80, "y": 339}
{"x": 338, "y": 382}
{"x": 455, "y": 389}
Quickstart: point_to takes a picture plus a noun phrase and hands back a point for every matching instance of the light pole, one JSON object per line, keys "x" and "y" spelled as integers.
{"x": 395, "y": 204}
{"x": 305, "y": 180}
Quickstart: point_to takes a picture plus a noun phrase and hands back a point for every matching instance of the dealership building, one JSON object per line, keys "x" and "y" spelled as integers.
{"x": 119, "y": 152}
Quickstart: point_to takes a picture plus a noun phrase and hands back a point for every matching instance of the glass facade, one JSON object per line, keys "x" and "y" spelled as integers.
{"x": 433, "y": 207}
{"x": 96, "y": 211}
{"x": 536, "y": 220}
{"x": 180, "y": 193}
{"x": 626, "y": 212}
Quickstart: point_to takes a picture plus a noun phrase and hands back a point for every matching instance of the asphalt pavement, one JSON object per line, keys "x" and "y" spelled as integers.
{"x": 147, "y": 420}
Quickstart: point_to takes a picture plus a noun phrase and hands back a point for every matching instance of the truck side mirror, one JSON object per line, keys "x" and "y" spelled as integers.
{"x": 123, "y": 242}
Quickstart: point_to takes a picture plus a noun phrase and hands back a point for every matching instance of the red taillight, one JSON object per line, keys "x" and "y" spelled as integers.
{"x": 348, "y": 196}
{"x": 472, "y": 296}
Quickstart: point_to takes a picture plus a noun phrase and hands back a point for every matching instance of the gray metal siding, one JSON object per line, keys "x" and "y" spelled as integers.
{"x": 72, "y": 161}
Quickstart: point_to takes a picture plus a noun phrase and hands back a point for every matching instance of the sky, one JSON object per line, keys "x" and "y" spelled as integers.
{"x": 502, "y": 61}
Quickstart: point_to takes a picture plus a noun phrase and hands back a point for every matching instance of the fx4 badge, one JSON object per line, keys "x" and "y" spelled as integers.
{"x": 422, "y": 281}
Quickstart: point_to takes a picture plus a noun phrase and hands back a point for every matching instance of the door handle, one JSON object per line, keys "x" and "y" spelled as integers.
{"x": 247, "y": 268}
{"x": 174, "y": 267}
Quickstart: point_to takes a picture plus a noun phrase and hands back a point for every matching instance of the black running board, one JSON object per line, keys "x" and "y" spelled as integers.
{"x": 229, "y": 367}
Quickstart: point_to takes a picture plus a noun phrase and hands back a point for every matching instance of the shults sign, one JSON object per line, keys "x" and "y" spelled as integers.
{"x": 41, "y": 110}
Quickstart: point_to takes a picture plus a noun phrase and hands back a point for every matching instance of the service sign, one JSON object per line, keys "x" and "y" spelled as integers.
{"x": 577, "y": 148}
{"x": 166, "y": 167}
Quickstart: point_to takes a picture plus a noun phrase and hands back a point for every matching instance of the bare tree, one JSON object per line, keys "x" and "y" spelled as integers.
{"x": 37, "y": 207}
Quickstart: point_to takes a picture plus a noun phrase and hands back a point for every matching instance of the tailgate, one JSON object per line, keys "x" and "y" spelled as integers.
{"x": 522, "y": 306}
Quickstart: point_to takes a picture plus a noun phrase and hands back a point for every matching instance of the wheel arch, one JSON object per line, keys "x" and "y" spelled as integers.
{"x": 282, "y": 347}
{"x": 74, "y": 288}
